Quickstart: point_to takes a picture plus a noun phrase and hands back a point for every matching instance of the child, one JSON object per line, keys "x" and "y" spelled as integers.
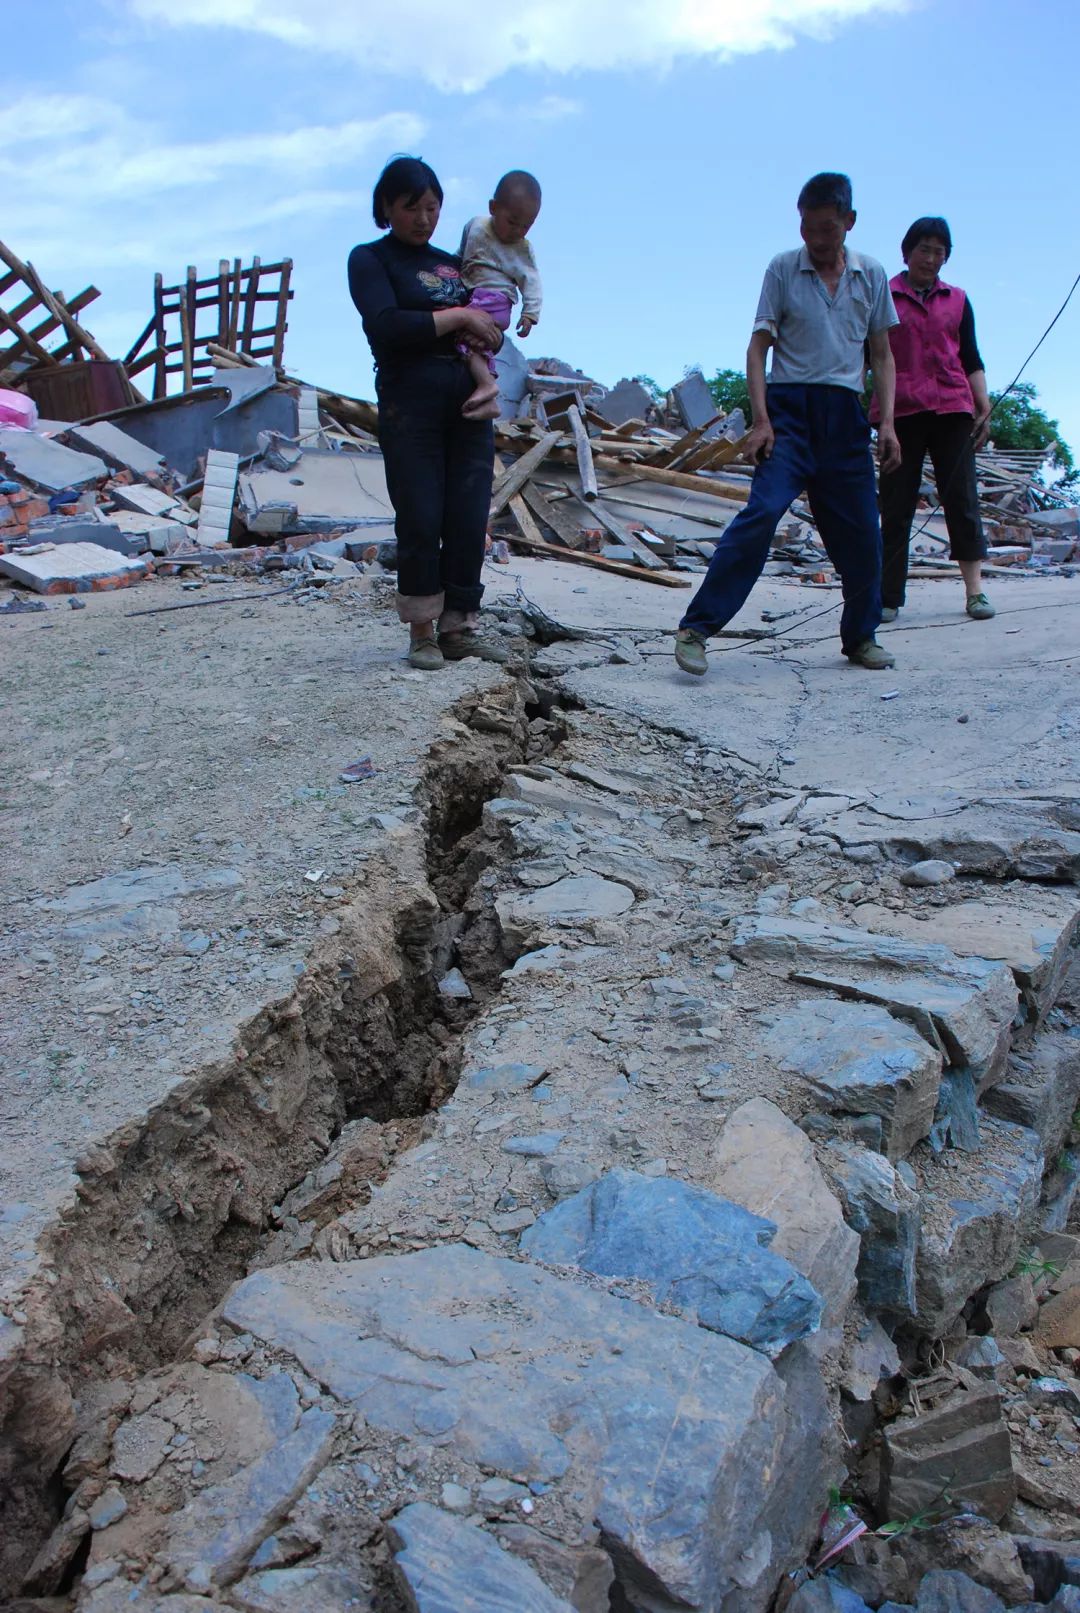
{"x": 497, "y": 264}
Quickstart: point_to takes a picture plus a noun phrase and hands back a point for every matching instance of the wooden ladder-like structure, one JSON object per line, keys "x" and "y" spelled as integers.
{"x": 223, "y": 310}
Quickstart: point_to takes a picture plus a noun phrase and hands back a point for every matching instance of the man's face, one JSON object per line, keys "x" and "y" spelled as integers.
{"x": 824, "y": 230}
{"x": 513, "y": 216}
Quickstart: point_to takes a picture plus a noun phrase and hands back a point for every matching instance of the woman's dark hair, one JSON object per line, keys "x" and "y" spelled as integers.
{"x": 923, "y": 229}
{"x": 402, "y": 176}
{"x": 826, "y": 190}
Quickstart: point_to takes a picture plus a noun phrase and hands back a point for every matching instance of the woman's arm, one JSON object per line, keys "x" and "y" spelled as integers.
{"x": 971, "y": 359}
{"x": 408, "y": 329}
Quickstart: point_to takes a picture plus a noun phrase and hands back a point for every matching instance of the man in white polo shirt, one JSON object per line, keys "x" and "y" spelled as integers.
{"x": 820, "y": 306}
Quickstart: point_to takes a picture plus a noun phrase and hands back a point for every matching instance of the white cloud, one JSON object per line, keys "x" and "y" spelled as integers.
{"x": 85, "y": 189}
{"x": 471, "y": 45}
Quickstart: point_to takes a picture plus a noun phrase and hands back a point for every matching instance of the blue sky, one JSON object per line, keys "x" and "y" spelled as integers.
{"x": 670, "y": 140}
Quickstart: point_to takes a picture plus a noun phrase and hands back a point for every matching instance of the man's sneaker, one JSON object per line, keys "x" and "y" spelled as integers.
{"x": 889, "y": 613}
{"x": 456, "y": 646}
{"x": 690, "y": 652}
{"x": 870, "y": 655}
{"x": 979, "y": 608}
{"x": 425, "y": 655}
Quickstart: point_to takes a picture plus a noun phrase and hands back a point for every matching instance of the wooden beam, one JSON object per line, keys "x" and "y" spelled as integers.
{"x": 514, "y": 479}
{"x": 23, "y": 339}
{"x": 666, "y": 579}
{"x": 565, "y": 526}
{"x": 623, "y": 535}
{"x": 583, "y": 449}
{"x": 674, "y": 478}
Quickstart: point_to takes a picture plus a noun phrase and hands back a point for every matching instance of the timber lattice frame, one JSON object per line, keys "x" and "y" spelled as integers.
{"x": 33, "y": 298}
{"x": 224, "y": 310}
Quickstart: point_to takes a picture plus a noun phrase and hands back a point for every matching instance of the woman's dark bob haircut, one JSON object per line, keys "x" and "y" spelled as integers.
{"x": 402, "y": 176}
{"x": 925, "y": 229}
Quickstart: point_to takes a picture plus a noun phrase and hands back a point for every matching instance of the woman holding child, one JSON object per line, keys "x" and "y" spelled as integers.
{"x": 436, "y": 404}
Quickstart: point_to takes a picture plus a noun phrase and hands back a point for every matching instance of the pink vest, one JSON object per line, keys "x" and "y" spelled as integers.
{"x": 926, "y": 347}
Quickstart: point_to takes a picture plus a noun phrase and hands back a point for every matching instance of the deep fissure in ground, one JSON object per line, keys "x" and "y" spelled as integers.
{"x": 180, "y": 1204}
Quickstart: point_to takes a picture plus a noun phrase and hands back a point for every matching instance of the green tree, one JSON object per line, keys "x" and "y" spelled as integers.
{"x": 1019, "y": 422}
{"x": 653, "y": 388}
{"x": 730, "y": 392}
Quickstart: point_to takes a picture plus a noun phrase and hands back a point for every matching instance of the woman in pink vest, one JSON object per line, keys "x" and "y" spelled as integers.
{"x": 942, "y": 408}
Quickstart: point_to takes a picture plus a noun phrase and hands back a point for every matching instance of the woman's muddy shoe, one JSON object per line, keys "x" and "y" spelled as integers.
{"x": 456, "y": 646}
{"x": 690, "y": 652}
{"x": 871, "y": 655}
{"x": 425, "y": 655}
{"x": 979, "y": 608}
{"x": 889, "y": 613}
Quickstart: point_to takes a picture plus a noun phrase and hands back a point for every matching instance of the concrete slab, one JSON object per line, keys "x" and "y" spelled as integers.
{"x": 115, "y": 447}
{"x": 326, "y": 488}
{"x": 47, "y": 464}
{"x": 73, "y": 568}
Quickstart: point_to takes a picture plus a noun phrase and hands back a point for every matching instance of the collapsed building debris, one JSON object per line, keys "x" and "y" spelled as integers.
{"x": 627, "y": 480}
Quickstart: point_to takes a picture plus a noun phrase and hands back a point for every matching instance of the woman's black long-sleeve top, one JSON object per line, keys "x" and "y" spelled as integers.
{"x": 397, "y": 289}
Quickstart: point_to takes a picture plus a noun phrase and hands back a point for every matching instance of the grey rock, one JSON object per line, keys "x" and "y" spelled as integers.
{"x": 502, "y": 1077}
{"x": 885, "y": 1212}
{"x": 871, "y": 1356}
{"x": 1041, "y": 1089}
{"x": 956, "y": 1119}
{"x": 933, "y": 871}
{"x": 707, "y": 1258}
{"x": 583, "y": 1575}
{"x": 211, "y": 1540}
{"x": 454, "y": 984}
{"x": 963, "y": 1005}
{"x": 947, "y": 1590}
{"x": 535, "y": 1147}
{"x": 961, "y": 1445}
{"x": 577, "y": 899}
{"x": 765, "y": 1163}
{"x": 982, "y": 1357}
{"x": 555, "y": 794}
{"x": 860, "y": 1060}
{"x": 1007, "y": 1307}
{"x": 304, "y": 1589}
{"x": 485, "y": 1355}
{"x": 975, "y": 1220}
{"x": 456, "y": 1498}
{"x": 1049, "y": 1394}
{"x": 443, "y": 1565}
{"x": 826, "y": 1595}
{"x": 109, "y": 1507}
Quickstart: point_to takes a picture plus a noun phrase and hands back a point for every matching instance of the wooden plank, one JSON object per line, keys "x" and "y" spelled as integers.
{"x": 249, "y": 306}
{"x": 160, "y": 377}
{"x": 583, "y": 449}
{"x": 514, "y": 479}
{"x": 674, "y": 478}
{"x": 56, "y": 306}
{"x": 622, "y": 534}
{"x": 564, "y": 526}
{"x": 685, "y": 445}
{"x": 187, "y": 331}
{"x": 630, "y": 428}
{"x": 281, "y": 324}
{"x": 23, "y": 340}
{"x": 666, "y": 579}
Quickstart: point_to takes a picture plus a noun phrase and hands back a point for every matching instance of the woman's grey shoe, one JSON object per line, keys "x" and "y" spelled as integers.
{"x": 425, "y": 655}
{"x": 889, "y": 613}
{"x": 456, "y": 646}
{"x": 690, "y": 652}
{"x": 871, "y": 655}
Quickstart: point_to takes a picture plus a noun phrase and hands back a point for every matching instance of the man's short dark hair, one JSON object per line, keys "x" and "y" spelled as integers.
{"x": 403, "y": 176}
{"x": 924, "y": 229}
{"x": 518, "y": 183}
{"x": 826, "y": 190}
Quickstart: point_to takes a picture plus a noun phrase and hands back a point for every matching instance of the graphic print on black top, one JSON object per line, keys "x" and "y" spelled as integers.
{"x": 443, "y": 286}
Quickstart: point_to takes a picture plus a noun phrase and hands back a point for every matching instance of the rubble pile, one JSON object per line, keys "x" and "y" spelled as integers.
{"x": 622, "y": 480}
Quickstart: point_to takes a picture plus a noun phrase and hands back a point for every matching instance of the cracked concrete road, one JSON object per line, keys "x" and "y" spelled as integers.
{"x": 793, "y": 707}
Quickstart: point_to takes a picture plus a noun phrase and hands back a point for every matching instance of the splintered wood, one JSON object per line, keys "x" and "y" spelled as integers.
{"x": 557, "y": 489}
